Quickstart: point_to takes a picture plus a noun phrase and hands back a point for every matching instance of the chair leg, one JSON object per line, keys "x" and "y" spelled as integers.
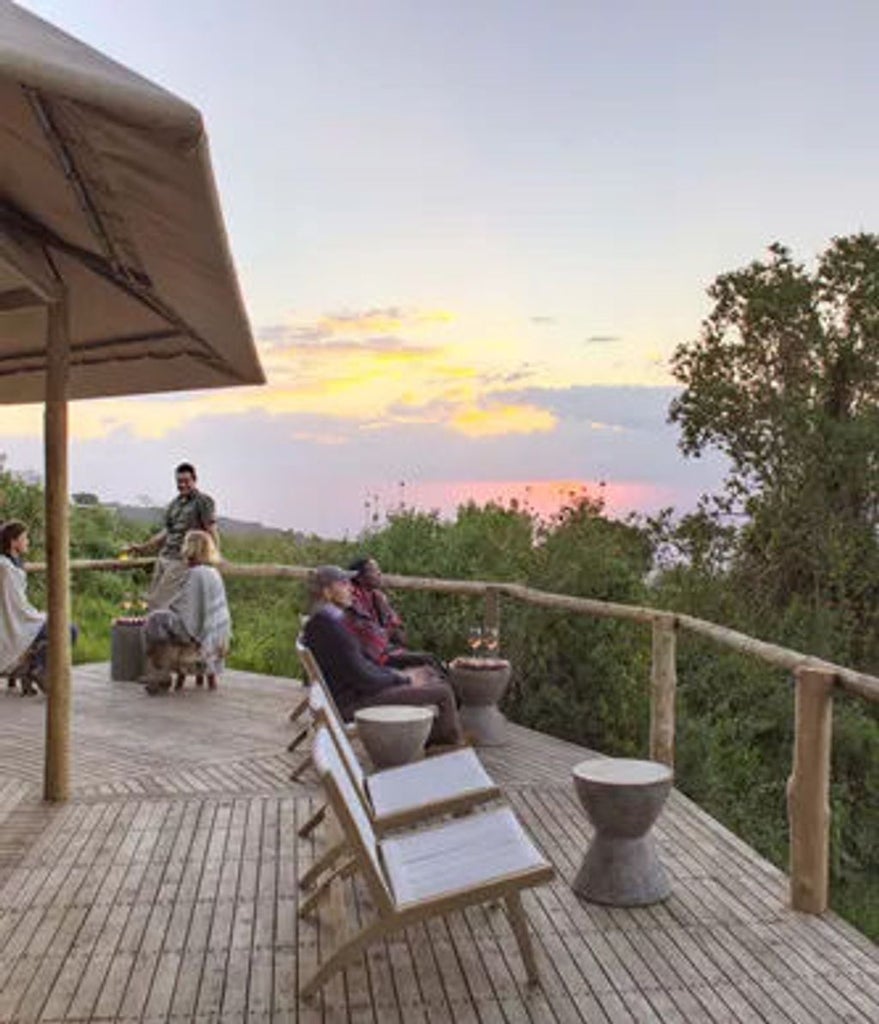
{"x": 309, "y": 826}
{"x": 297, "y": 739}
{"x": 323, "y": 863}
{"x": 299, "y": 708}
{"x": 519, "y": 922}
{"x": 343, "y": 955}
{"x": 301, "y": 767}
{"x": 343, "y": 871}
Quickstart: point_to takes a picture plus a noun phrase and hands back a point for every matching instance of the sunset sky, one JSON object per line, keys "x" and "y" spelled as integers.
{"x": 470, "y": 235}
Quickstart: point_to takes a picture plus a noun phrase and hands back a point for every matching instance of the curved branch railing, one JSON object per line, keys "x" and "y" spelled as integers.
{"x": 816, "y": 680}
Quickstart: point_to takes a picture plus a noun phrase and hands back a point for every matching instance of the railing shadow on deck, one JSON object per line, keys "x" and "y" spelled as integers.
{"x": 808, "y": 787}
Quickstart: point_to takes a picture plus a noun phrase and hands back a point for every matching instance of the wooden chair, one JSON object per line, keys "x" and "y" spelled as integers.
{"x": 452, "y": 783}
{"x": 316, "y": 678}
{"x": 172, "y": 659}
{"x": 426, "y": 873}
{"x": 26, "y": 672}
{"x": 301, "y": 705}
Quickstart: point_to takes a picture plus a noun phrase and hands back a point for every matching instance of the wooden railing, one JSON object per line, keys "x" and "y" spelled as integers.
{"x": 808, "y": 788}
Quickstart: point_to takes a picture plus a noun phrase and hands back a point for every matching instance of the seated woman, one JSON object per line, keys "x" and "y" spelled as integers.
{"x": 377, "y": 626}
{"x": 197, "y": 617}
{"x": 23, "y": 633}
{"x": 357, "y": 682}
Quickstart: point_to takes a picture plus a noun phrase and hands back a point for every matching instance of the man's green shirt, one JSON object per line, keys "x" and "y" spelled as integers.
{"x": 193, "y": 511}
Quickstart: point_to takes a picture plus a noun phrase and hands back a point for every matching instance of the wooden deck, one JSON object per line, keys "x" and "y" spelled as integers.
{"x": 166, "y": 890}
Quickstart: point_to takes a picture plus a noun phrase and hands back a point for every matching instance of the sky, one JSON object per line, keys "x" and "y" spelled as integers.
{"x": 470, "y": 235}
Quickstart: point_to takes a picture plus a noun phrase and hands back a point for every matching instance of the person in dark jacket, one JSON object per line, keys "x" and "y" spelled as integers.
{"x": 354, "y": 680}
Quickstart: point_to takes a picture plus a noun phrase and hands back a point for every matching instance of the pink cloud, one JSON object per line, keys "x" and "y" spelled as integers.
{"x": 544, "y": 496}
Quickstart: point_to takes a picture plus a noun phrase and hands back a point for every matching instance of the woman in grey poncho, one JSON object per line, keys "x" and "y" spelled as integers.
{"x": 22, "y": 627}
{"x": 198, "y": 614}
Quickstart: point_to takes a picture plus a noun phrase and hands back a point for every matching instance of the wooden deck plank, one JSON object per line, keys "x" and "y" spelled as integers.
{"x": 166, "y": 891}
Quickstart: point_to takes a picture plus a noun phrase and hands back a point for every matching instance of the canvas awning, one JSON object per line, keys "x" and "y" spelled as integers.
{"x": 106, "y": 187}
{"x": 115, "y": 275}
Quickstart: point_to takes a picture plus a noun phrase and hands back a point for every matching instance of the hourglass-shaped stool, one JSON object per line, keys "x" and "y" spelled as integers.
{"x": 622, "y": 798}
{"x": 479, "y": 684}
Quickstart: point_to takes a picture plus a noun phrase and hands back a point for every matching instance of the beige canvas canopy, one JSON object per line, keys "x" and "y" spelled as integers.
{"x": 106, "y": 187}
{"x": 115, "y": 275}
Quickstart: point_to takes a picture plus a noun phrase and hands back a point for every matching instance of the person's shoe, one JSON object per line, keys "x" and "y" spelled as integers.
{"x": 181, "y": 679}
{"x": 212, "y": 682}
{"x": 199, "y": 679}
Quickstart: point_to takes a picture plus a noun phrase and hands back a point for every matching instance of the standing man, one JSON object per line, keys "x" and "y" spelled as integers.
{"x": 192, "y": 509}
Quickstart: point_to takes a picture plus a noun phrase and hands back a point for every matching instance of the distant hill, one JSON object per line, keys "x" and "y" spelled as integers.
{"x": 151, "y": 515}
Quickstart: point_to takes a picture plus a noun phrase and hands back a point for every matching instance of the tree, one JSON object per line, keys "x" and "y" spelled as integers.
{"x": 20, "y": 499}
{"x": 85, "y": 498}
{"x": 784, "y": 379}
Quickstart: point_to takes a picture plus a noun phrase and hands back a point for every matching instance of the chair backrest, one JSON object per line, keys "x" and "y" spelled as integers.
{"x": 324, "y": 713}
{"x": 315, "y": 675}
{"x": 352, "y": 815}
{"x": 307, "y": 659}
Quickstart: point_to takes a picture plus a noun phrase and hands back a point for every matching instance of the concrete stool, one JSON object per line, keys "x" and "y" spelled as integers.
{"x": 622, "y": 798}
{"x": 394, "y": 734}
{"x": 479, "y": 684}
{"x": 127, "y": 651}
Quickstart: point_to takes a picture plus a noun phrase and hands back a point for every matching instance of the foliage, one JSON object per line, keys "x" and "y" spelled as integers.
{"x": 784, "y": 379}
{"x": 22, "y": 500}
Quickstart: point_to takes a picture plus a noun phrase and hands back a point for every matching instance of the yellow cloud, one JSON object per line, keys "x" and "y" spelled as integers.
{"x": 21, "y": 420}
{"x": 497, "y": 420}
{"x": 317, "y": 438}
{"x": 357, "y": 368}
{"x": 381, "y": 321}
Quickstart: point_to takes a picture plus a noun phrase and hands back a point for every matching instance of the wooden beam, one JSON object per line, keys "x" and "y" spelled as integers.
{"x": 57, "y": 764}
{"x": 808, "y": 792}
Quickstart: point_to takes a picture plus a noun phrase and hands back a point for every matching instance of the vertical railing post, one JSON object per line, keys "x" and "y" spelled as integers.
{"x": 56, "y": 782}
{"x": 492, "y": 616}
{"x": 808, "y": 790}
{"x": 663, "y": 685}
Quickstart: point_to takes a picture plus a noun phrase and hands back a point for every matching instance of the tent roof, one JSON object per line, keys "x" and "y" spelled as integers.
{"x": 106, "y": 187}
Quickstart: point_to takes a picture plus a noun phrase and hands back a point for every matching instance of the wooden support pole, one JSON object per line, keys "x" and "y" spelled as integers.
{"x": 57, "y": 759}
{"x": 663, "y": 684}
{"x": 492, "y": 616}
{"x": 808, "y": 791}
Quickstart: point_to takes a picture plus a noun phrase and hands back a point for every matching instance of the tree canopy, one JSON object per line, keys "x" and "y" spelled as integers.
{"x": 784, "y": 380}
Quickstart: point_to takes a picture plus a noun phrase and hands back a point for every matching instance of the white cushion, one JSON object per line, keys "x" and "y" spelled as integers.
{"x": 461, "y": 854}
{"x": 429, "y": 781}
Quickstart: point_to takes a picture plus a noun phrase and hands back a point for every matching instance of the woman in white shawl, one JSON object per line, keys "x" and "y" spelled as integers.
{"x": 22, "y": 627}
{"x": 198, "y": 614}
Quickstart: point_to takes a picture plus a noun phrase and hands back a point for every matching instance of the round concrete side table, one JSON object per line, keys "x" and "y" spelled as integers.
{"x": 393, "y": 734}
{"x": 479, "y": 684}
{"x": 622, "y": 798}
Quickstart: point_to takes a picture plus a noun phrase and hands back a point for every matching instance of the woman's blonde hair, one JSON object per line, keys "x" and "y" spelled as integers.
{"x": 199, "y": 548}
